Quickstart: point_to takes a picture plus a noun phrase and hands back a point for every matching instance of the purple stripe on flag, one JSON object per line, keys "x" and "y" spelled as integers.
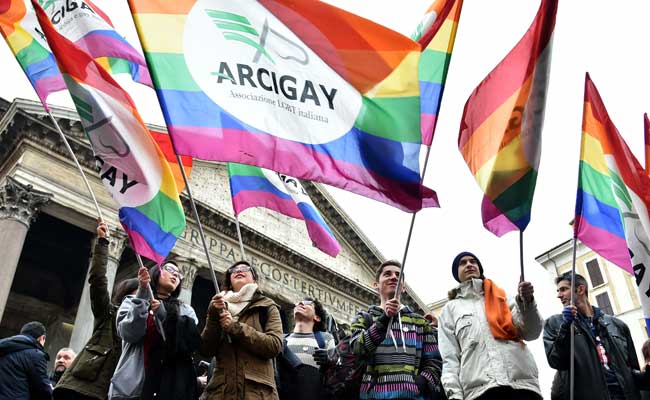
{"x": 427, "y": 123}
{"x": 322, "y": 239}
{"x": 48, "y": 85}
{"x": 605, "y": 243}
{"x": 494, "y": 220}
{"x": 109, "y": 44}
{"x": 288, "y": 157}
{"x": 245, "y": 199}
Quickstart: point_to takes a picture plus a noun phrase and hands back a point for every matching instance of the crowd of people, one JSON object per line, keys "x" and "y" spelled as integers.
{"x": 146, "y": 344}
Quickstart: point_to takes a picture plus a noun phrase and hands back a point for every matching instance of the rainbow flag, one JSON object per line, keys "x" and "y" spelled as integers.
{"x": 165, "y": 145}
{"x": 436, "y": 34}
{"x": 85, "y": 24}
{"x": 646, "y": 126}
{"x": 297, "y": 86}
{"x": 256, "y": 187}
{"x": 133, "y": 168}
{"x": 613, "y": 199}
{"x": 21, "y": 31}
{"x": 501, "y": 127}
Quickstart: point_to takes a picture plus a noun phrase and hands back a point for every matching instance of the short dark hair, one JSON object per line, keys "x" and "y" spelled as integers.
{"x": 124, "y": 288}
{"x": 321, "y": 313}
{"x": 383, "y": 265}
{"x": 645, "y": 349}
{"x": 580, "y": 280}
{"x": 33, "y": 329}
{"x": 226, "y": 285}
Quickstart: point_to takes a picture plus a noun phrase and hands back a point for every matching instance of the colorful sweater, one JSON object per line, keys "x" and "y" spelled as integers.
{"x": 391, "y": 373}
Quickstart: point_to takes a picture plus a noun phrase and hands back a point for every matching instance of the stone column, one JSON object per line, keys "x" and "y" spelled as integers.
{"x": 19, "y": 204}
{"x": 83, "y": 323}
{"x": 188, "y": 269}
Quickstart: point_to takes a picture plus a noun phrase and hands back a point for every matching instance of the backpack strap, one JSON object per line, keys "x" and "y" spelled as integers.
{"x": 320, "y": 339}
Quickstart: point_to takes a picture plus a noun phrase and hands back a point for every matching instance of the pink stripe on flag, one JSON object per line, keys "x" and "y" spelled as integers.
{"x": 139, "y": 243}
{"x": 288, "y": 157}
{"x": 322, "y": 239}
{"x": 246, "y": 199}
{"x": 427, "y": 125}
{"x": 46, "y": 86}
{"x": 494, "y": 220}
{"x": 106, "y": 46}
{"x": 609, "y": 246}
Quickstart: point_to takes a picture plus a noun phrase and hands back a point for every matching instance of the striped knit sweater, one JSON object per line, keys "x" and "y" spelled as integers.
{"x": 391, "y": 373}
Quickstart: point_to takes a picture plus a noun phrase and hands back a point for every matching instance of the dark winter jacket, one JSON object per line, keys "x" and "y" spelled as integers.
{"x": 245, "y": 355}
{"x": 23, "y": 369}
{"x": 590, "y": 380}
{"x": 91, "y": 371}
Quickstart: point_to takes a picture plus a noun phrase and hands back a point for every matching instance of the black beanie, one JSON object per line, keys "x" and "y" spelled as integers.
{"x": 34, "y": 329}
{"x": 454, "y": 265}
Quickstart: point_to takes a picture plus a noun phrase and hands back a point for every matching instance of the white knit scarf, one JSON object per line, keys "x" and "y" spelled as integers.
{"x": 237, "y": 301}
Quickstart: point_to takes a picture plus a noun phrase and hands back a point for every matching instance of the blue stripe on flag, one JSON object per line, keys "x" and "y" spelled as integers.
{"x": 599, "y": 214}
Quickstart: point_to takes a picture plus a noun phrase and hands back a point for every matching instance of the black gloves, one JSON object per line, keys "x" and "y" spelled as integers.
{"x": 325, "y": 358}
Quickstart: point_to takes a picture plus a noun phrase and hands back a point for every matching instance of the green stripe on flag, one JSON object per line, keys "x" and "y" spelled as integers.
{"x": 596, "y": 184}
{"x": 165, "y": 212}
{"x": 393, "y": 118}
{"x": 31, "y": 54}
{"x": 235, "y": 169}
{"x": 620, "y": 189}
{"x": 516, "y": 201}
{"x": 84, "y": 109}
{"x": 227, "y": 16}
{"x": 119, "y": 66}
{"x": 169, "y": 71}
{"x": 433, "y": 66}
{"x": 236, "y": 27}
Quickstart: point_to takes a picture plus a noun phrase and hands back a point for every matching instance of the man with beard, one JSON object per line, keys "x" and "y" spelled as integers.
{"x": 64, "y": 358}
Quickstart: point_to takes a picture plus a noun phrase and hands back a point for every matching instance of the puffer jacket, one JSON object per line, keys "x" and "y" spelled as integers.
{"x": 91, "y": 371}
{"x": 245, "y": 355}
{"x": 473, "y": 360}
{"x": 23, "y": 369}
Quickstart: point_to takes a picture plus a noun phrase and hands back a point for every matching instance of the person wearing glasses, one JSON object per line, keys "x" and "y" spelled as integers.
{"x": 159, "y": 335}
{"x": 307, "y": 352}
{"x": 243, "y": 331}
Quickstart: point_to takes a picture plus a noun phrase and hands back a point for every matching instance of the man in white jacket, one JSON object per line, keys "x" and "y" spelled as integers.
{"x": 481, "y": 338}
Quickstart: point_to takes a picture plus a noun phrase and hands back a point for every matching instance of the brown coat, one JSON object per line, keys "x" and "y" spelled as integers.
{"x": 244, "y": 368}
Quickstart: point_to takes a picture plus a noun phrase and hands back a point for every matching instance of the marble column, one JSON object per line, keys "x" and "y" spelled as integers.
{"x": 19, "y": 205}
{"x": 188, "y": 269}
{"x": 83, "y": 323}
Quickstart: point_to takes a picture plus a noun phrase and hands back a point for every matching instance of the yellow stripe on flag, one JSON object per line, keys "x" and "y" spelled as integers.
{"x": 168, "y": 29}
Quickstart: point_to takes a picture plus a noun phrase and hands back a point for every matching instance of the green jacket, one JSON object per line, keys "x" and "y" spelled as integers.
{"x": 91, "y": 371}
{"x": 245, "y": 357}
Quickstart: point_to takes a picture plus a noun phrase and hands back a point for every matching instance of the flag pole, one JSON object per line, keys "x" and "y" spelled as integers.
{"x": 521, "y": 255}
{"x": 241, "y": 241}
{"x": 74, "y": 158}
{"x": 573, "y": 344}
{"x": 155, "y": 320}
{"x": 196, "y": 216}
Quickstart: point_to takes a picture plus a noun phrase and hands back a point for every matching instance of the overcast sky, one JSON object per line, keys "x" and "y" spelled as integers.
{"x": 611, "y": 42}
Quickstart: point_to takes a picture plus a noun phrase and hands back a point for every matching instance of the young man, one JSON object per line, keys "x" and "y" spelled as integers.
{"x": 307, "y": 351}
{"x": 405, "y": 364}
{"x": 62, "y": 362}
{"x": 606, "y": 366}
{"x": 483, "y": 331}
{"x": 23, "y": 365}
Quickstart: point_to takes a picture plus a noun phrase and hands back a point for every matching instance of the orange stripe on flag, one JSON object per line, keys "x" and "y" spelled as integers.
{"x": 161, "y": 7}
{"x": 593, "y": 127}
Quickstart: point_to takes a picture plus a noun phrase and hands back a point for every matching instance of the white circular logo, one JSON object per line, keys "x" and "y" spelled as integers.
{"x": 261, "y": 73}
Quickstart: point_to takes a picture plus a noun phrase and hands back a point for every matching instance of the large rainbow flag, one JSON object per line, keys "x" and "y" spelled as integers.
{"x": 165, "y": 144}
{"x": 133, "y": 168}
{"x": 85, "y": 24}
{"x": 257, "y": 187}
{"x": 21, "y": 31}
{"x": 613, "y": 199}
{"x": 436, "y": 33}
{"x": 501, "y": 127}
{"x": 297, "y": 86}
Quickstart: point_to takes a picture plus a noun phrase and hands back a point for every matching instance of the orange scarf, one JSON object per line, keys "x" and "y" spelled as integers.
{"x": 498, "y": 313}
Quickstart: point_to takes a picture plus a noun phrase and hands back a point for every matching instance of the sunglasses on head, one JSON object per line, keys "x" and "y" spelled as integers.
{"x": 305, "y": 303}
{"x": 239, "y": 268}
{"x": 172, "y": 270}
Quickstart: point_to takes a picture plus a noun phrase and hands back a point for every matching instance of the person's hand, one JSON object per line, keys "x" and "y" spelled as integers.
{"x": 526, "y": 291}
{"x": 391, "y": 307}
{"x": 154, "y": 305}
{"x": 217, "y": 304}
{"x": 324, "y": 358}
{"x": 225, "y": 320}
{"x": 433, "y": 321}
{"x": 143, "y": 277}
{"x": 422, "y": 384}
{"x": 102, "y": 229}
{"x": 203, "y": 380}
{"x": 569, "y": 313}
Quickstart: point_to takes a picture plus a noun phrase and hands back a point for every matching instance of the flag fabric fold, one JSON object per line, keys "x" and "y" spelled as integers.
{"x": 252, "y": 186}
{"x": 500, "y": 132}
{"x": 299, "y": 87}
{"x": 646, "y": 136}
{"x": 613, "y": 196}
{"x": 436, "y": 33}
{"x": 133, "y": 168}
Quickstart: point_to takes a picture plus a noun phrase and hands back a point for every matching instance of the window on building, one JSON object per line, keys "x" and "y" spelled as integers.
{"x": 594, "y": 273}
{"x": 604, "y": 304}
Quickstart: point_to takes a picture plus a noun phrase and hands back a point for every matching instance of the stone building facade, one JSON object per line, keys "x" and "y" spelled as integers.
{"x": 47, "y": 225}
